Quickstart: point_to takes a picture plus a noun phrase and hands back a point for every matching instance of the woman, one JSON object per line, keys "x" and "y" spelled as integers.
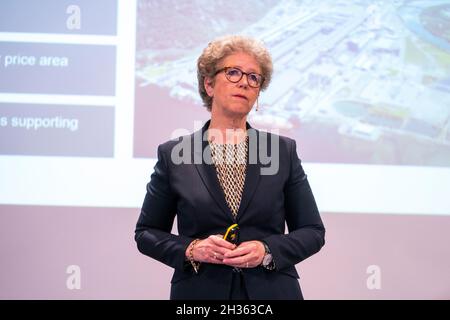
{"x": 220, "y": 182}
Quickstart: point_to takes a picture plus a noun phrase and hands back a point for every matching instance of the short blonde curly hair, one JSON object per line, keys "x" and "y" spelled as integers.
{"x": 222, "y": 47}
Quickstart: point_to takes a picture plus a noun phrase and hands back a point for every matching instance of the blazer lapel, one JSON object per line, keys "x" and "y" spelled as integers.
{"x": 253, "y": 173}
{"x": 207, "y": 170}
{"x": 251, "y": 183}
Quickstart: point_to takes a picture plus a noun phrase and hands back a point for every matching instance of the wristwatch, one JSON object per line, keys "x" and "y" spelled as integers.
{"x": 267, "y": 261}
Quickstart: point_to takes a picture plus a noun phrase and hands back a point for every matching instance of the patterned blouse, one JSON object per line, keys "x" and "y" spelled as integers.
{"x": 230, "y": 161}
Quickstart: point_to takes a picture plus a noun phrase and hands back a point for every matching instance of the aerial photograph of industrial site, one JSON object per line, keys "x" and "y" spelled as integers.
{"x": 361, "y": 82}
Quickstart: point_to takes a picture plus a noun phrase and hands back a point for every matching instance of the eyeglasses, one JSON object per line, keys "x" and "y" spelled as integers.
{"x": 233, "y": 74}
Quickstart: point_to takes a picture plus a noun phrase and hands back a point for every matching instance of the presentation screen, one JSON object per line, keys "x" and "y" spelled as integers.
{"x": 93, "y": 87}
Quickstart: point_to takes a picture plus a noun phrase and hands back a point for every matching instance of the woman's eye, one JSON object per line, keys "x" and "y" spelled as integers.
{"x": 254, "y": 77}
{"x": 233, "y": 72}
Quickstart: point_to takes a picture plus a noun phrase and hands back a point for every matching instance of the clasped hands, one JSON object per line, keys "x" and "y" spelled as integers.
{"x": 215, "y": 249}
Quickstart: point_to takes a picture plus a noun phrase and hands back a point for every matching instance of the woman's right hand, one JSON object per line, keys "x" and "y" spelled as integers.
{"x": 210, "y": 250}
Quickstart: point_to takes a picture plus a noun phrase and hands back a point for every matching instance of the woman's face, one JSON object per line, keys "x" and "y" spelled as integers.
{"x": 234, "y": 98}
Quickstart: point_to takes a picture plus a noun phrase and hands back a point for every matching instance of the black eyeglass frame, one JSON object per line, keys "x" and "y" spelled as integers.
{"x": 242, "y": 74}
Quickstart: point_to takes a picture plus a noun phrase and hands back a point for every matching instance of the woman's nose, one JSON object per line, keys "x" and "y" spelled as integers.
{"x": 243, "y": 82}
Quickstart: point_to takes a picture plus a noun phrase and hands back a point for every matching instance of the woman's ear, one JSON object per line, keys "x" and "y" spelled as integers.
{"x": 209, "y": 86}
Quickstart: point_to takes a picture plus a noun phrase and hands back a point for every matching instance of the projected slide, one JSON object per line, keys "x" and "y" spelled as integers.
{"x": 354, "y": 82}
{"x": 44, "y": 74}
{"x": 89, "y": 89}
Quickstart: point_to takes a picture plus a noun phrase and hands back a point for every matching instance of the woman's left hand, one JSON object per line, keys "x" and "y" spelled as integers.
{"x": 248, "y": 254}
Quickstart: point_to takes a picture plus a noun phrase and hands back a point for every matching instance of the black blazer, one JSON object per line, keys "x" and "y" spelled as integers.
{"x": 191, "y": 191}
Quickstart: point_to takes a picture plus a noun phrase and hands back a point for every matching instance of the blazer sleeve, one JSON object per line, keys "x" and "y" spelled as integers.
{"x": 306, "y": 230}
{"x": 153, "y": 229}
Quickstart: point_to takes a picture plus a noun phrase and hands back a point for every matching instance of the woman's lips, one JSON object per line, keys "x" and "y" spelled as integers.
{"x": 240, "y": 96}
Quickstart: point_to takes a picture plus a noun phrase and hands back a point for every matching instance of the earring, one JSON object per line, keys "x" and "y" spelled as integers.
{"x": 257, "y": 104}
